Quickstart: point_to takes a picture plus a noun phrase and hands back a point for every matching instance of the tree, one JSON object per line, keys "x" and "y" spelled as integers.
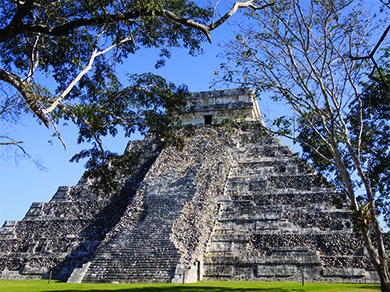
{"x": 302, "y": 53}
{"x": 77, "y": 44}
{"x": 375, "y": 135}
{"x": 371, "y": 55}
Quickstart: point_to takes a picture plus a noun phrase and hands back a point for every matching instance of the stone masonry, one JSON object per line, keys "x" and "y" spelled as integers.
{"x": 277, "y": 222}
{"x": 234, "y": 204}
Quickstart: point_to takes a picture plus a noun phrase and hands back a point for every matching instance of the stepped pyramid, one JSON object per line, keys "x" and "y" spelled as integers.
{"x": 234, "y": 204}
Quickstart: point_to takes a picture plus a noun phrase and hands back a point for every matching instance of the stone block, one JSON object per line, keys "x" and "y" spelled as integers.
{"x": 291, "y": 249}
{"x": 218, "y": 270}
{"x": 10, "y": 224}
{"x": 347, "y": 272}
{"x": 267, "y": 225}
{"x": 293, "y": 258}
{"x": 78, "y": 273}
{"x": 276, "y": 271}
{"x": 258, "y": 185}
{"x": 222, "y": 199}
{"x": 187, "y": 275}
{"x": 41, "y": 270}
{"x": 35, "y": 211}
{"x": 62, "y": 194}
{"x": 8, "y": 230}
{"x": 225, "y": 225}
{"x": 243, "y": 273}
{"x": 224, "y": 247}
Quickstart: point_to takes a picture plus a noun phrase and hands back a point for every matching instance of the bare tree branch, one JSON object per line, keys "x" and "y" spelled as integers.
{"x": 371, "y": 56}
{"x": 207, "y": 28}
{"x": 95, "y": 54}
{"x": 12, "y": 142}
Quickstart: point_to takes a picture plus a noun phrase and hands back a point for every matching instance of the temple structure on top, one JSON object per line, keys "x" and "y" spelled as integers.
{"x": 209, "y": 106}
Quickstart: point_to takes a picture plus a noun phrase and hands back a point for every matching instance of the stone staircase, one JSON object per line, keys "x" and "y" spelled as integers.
{"x": 278, "y": 222}
{"x": 140, "y": 255}
{"x": 142, "y": 251}
{"x": 177, "y": 196}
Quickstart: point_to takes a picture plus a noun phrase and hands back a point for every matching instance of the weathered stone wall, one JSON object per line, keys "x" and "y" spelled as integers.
{"x": 221, "y": 104}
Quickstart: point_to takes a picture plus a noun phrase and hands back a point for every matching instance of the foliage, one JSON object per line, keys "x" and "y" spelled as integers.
{"x": 77, "y": 45}
{"x": 375, "y": 137}
{"x": 297, "y": 53}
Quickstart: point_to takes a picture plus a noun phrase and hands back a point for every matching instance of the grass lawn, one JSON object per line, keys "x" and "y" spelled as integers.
{"x": 43, "y": 286}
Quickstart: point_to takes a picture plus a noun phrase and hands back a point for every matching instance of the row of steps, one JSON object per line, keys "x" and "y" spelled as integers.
{"x": 138, "y": 255}
{"x": 277, "y": 221}
{"x": 176, "y": 196}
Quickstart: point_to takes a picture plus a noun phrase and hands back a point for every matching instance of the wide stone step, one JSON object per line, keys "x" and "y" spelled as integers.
{"x": 273, "y": 183}
{"x": 146, "y": 270}
{"x": 254, "y": 151}
{"x": 265, "y": 168}
{"x": 294, "y": 198}
{"x": 162, "y": 257}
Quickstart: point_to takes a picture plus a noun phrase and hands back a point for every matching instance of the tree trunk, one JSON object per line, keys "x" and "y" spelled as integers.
{"x": 385, "y": 283}
{"x": 379, "y": 264}
{"x": 378, "y": 257}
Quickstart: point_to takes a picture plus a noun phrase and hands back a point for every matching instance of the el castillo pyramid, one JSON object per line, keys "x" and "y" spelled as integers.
{"x": 232, "y": 205}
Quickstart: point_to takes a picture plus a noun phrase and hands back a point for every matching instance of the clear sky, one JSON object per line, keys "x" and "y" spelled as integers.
{"x": 22, "y": 183}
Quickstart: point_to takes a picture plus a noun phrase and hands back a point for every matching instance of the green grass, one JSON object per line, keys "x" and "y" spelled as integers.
{"x": 43, "y": 286}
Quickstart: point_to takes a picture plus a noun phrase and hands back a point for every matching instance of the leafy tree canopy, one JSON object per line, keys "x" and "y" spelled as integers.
{"x": 77, "y": 44}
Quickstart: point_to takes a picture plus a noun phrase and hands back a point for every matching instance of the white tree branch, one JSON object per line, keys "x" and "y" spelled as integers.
{"x": 87, "y": 68}
{"x": 207, "y": 28}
